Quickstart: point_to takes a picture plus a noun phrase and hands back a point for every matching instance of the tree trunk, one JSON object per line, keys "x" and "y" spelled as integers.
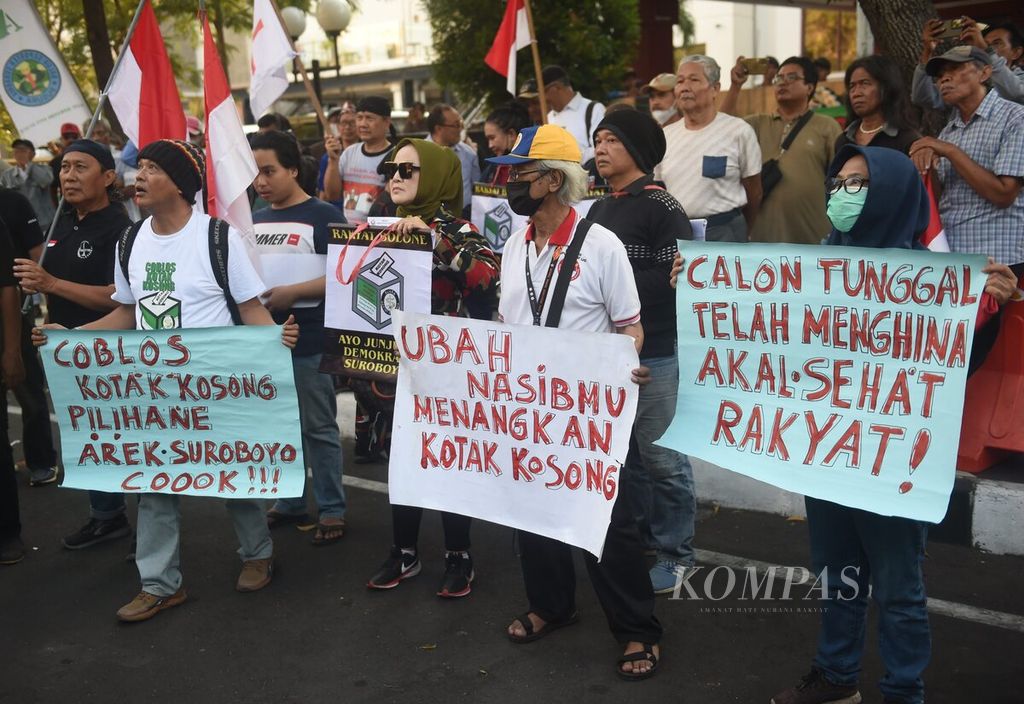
{"x": 99, "y": 46}
{"x": 218, "y": 28}
{"x": 897, "y": 26}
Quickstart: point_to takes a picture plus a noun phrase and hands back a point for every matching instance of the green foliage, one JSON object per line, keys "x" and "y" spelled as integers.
{"x": 594, "y": 40}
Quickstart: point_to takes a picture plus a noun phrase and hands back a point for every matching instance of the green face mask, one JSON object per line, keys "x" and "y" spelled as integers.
{"x": 844, "y": 209}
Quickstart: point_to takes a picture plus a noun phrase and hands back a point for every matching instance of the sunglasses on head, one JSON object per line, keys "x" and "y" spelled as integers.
{"x": 404, "y": 169}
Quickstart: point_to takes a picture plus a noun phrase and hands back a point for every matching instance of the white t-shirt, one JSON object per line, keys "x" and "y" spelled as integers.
{"x": 172, "y": 280}
{"x": 360, "y": 182}
{"x": 602, "y": 294}
{"x": 573, "y": 117}
{"x": 702, "y": 168}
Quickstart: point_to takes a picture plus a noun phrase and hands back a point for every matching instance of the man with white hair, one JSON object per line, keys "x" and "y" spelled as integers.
{"x": 712, "y": 161}
{"x": 545, "y": 181}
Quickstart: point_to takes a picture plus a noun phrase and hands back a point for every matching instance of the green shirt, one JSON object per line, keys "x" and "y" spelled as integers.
{"x": 795, "y": 210}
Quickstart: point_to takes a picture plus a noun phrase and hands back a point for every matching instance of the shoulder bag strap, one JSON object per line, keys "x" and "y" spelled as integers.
{"x": 565, "y": 274}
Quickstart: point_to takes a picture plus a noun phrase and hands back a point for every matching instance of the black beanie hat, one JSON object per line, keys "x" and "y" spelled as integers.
{"x": 639, "y": 133}
{"x": 184, "y": 163}
{"x": 99, "y": 152}
{"x": 375, "y": 104}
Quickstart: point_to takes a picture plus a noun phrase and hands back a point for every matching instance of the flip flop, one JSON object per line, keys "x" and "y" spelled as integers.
{"x": 532, "y": 635}
{"x": 321, "y": 537}
{"x": 646, "y": 654}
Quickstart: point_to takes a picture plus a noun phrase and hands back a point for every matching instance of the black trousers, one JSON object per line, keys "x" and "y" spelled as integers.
{"x": 10, "y": 523}
{"x": 405, "y": 522}
{"x": 36, "y": 432}
{"x": 621, "y": 579}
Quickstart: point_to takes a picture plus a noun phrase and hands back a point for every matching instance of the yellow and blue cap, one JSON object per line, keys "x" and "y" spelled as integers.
{"x": 543, "y": 142}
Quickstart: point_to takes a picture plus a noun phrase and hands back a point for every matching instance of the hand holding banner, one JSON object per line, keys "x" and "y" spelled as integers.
{"x": 500, "y": 423}
{"x": 203, "y": 411}
{"x": 835, "y": 372}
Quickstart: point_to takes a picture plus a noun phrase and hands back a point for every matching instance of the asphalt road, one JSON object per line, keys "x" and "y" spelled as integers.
{"x": 316, "y": 634}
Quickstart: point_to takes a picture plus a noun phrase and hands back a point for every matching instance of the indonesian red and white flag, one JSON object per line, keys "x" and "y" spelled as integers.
{"x": 513, "y": 35}
{"x": 230, "y": 165}
{"x": 934, "y": 238}
{"x": 271, "y": 51}
{"x": 143, "y": 93}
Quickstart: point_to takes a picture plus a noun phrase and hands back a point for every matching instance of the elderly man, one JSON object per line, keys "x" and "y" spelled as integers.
{"x": 444, "y": 124}
{"x": 31, "y": 180}
{"x": 571, "y": 110}
{"x": 712, "y": 163}
{"x": 661, "y": 98}
{"x": 544, "y": 183}
{"x": 799, "y": 145}
{"x": 351, "y": 176}
{"x": 978, "y": 158}
{"x": 1002, "y": 42}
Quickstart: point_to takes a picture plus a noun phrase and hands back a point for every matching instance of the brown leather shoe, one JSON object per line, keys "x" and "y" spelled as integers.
{"x": 145, "y": 606}
{"x": 255, "y": 575}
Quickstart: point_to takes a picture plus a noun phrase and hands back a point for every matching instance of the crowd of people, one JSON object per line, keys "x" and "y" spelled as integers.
{"x": 686, "y": 168}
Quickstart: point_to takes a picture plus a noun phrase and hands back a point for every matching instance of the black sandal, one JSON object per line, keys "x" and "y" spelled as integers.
{"x": 324, "y": 531}
{"x": 646, "y": 654}
{"x": 532, "y": 635}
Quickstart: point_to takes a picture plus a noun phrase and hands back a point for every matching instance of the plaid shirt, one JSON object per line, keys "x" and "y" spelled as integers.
{"x": 464, "y": 265}
{"x": 994, "y": 139}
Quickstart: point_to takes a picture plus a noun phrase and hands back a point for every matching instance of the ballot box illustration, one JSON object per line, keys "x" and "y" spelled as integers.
{"x": 160, "y": 311}
{"x": 498, "y": 226}
{"x": 378, "y": 290}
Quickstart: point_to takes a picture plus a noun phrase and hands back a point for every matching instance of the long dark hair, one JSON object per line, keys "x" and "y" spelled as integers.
{"x": 892, "y": 92}
{"x": 511, "y": 116}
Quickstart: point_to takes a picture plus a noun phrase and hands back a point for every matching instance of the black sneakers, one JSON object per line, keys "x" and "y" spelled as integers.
{"x": 399, "y": 566}
{"x": 97, "y": 531}
{"x": 815, "y": 689}
{"x": 458, "y": 575}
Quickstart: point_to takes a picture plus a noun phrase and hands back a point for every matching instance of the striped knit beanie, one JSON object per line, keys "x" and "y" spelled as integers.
{"x": 182, "y": 161}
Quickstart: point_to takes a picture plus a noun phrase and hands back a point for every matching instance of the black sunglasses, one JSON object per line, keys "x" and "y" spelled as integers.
{"x": 404, "y": 169}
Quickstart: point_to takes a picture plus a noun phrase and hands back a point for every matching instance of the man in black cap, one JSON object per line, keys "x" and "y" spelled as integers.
{"x": 352, "y": 176}
{"x": 77, "y": 278}
{"x": 168, "y": 282}
{"x": 657, "y": 482}
{"x": 571, "y": 110}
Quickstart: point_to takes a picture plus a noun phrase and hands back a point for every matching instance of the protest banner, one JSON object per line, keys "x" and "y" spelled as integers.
{"x": 494, "y": 219}
{"x": 834, "y": 372}
{"x": 39, "y": 92}
{"x": 370, "y": 274}
{"x": 501, "y": 423}
{"x": 200, "y": 411}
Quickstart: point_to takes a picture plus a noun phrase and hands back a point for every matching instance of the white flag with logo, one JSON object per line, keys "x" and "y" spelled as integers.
{"x": 271, "y": 51}
{"x": 38, "y": 90}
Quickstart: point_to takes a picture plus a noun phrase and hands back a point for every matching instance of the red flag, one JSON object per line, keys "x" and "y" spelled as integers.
{"x": 513, "y": 35}
{"x": 143, "y": 93}
{"x": 934, "y": 238}
{"x": 230, "y": 166}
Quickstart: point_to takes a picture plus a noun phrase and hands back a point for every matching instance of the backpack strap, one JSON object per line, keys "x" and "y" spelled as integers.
{"x": 587, "y": 119}
{"x": 124, "y": 247}
{"x": 218, "y": 238}
{"x": 565, "y": 274}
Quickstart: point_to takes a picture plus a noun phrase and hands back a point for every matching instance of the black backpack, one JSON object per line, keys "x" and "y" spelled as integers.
{"x": 218, "y": 239}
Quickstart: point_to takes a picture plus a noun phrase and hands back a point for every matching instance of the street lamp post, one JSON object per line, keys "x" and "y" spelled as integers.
{"x": 295, "y": 24}
{"x": 333, "y": 16}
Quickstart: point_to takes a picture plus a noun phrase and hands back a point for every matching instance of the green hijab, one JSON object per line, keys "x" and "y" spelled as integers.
{"x": 440, "y": 184}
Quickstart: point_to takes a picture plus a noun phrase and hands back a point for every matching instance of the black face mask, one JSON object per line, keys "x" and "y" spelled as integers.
{"x": 520, "y": 200}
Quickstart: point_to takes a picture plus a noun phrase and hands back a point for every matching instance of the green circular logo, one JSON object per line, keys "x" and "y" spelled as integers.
{"x": 31, "y": 78}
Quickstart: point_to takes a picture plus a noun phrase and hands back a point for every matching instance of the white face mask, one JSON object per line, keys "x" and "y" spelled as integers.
{"x": 662, "y": 115}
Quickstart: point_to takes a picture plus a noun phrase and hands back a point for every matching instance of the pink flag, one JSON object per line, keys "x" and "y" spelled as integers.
{"x": 513, "y": 35}
{"x": 271, "y": 51}
{"x": 934, "y": 238}
{"x": 143, "y": 93}
{"x": 230, "y": 166}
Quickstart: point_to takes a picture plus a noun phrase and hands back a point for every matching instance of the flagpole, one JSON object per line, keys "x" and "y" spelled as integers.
{"x": 302, "y": 69}
{"x": 538, "y": 74}
{"x": 27, "y": 305}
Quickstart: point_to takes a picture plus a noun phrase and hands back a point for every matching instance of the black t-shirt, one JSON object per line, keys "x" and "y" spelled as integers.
{"x": 22, "y": 225}
{"x": 889, "y": 137}
{"x": 83, "y": 251}
{"x": 6, "y": 258}
{"x": 648, "y": 221}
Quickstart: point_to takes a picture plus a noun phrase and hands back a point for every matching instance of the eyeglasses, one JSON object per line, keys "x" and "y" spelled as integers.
{"x": 404, "y": 169}
{"x": 457, "y": 125}
{"x": 516, "y": 175}
{"x": 786, "y": 78}
{"x": 851, "y": 185}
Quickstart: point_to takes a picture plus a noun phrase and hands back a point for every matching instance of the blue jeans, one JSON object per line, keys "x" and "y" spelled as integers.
{"x": 888, "y": 552}
{"x": 104, "y": 506}
{"x": 660, "y": 494}
{"x": 321, "y": 441}
{"x": 159, "y": 533}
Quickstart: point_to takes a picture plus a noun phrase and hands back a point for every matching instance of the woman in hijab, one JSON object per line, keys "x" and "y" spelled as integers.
{"x": 425, "y": 183}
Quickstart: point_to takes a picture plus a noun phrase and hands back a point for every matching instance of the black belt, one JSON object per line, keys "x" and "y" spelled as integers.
{"x": 722, "y": 218}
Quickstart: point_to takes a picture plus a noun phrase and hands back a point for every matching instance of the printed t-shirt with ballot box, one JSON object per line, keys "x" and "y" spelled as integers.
{"x": 370, "y": 273}
{"x": 494, "y": 219}
{"x": 361, "y": 184}
{"x": 292, "y": 244}
{"x": 172, "y": 283}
